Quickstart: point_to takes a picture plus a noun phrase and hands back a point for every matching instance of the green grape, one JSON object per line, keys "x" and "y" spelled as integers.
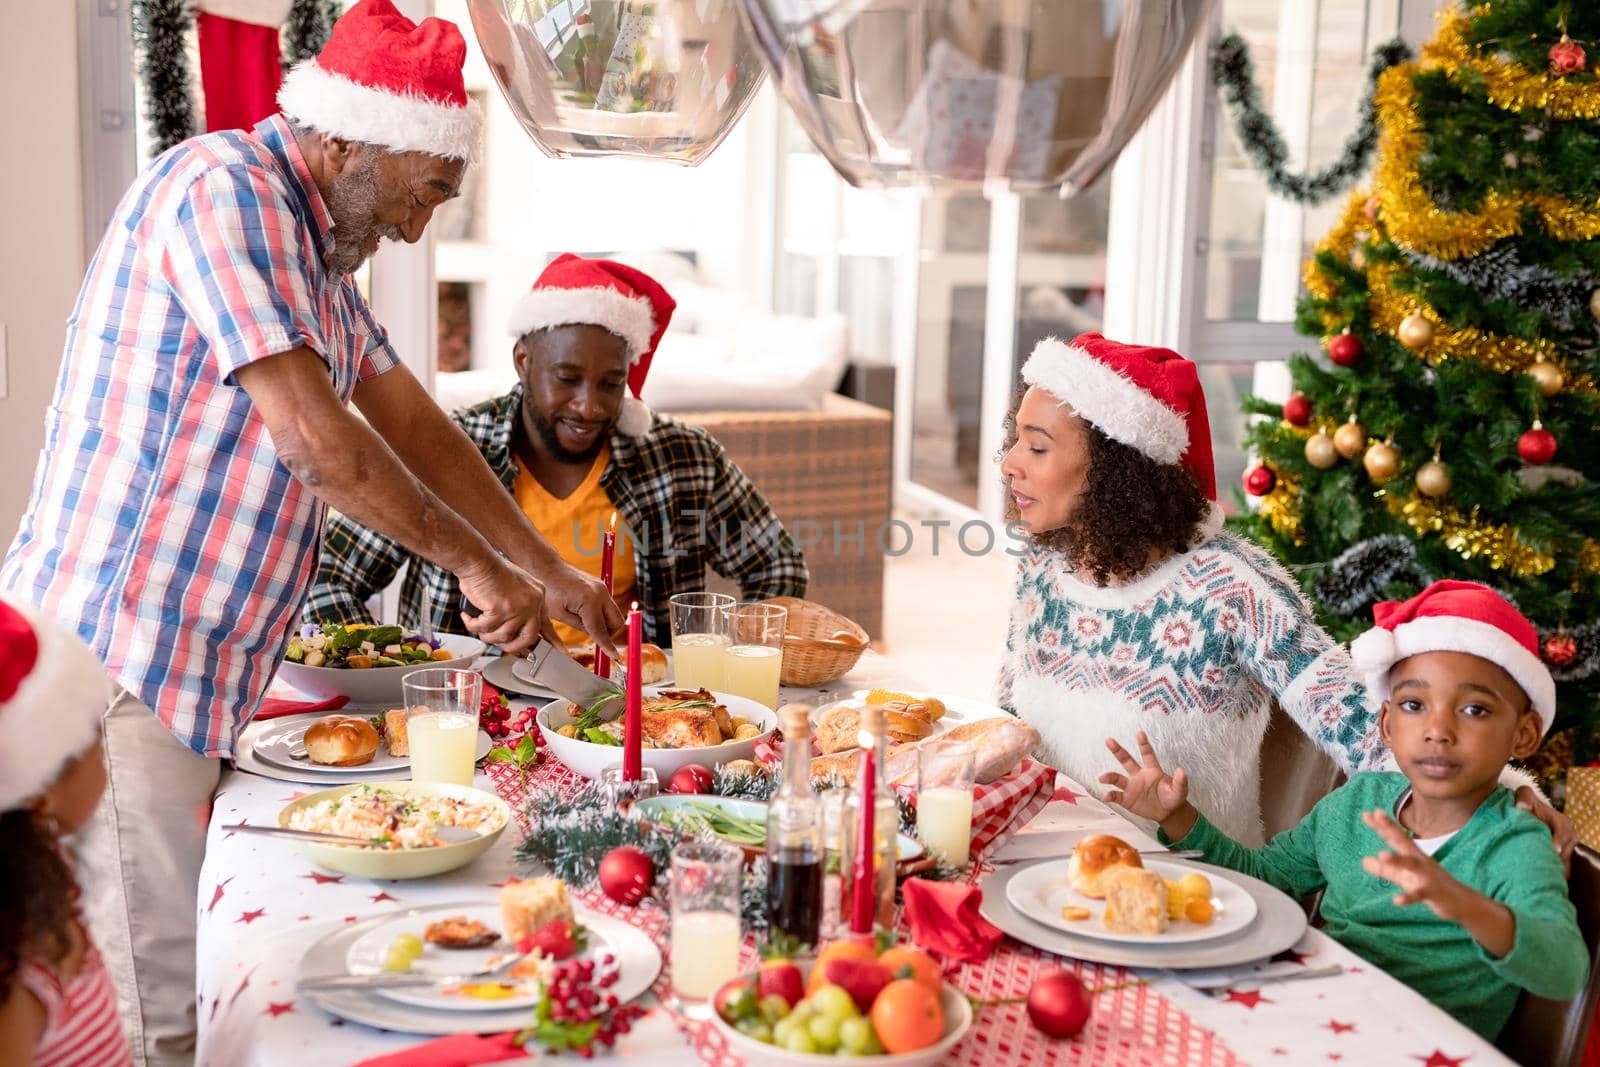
{"x": 410, "y": 944}
{"x": 773, "y": 1007}
{"x": 874, "y": 1046}
{"x": 802, "y": 1012}
{"x": 783, "y": 1028}
{"x": 824, "y": 1031}
{"x": 761, "y": 1032}
{"x": 834, "y": 1002}
{"x": 397, "y": 959}
{"x": 800, "y": 1041}
{"x": 855, "y": 1035}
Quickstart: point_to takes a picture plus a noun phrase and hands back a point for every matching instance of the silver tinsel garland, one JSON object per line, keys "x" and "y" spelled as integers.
{"x": 1500, "y": 274}
{"x": 1356, "y": 578}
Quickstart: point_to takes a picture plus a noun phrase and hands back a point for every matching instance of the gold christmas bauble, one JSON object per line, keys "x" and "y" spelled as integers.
{"x": 1416, "y": 332}
{"x": 1350, "y": 439}
{"x": 1549, "y": 377}
{"x": 1321, "y": 452}
{"x": 1594, "y": 303}
{"x": 1382, "y": 462}
{"x": 1433, "y": 478}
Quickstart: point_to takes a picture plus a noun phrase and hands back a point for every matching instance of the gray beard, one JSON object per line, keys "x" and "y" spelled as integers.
{"x": 353, "y": 204}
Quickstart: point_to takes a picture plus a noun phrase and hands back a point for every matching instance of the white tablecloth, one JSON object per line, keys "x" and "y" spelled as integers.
{"x": 262, "y": 904}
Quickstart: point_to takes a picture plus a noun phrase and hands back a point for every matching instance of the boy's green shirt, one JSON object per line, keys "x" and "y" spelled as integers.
{"x": 1503, "y": 852}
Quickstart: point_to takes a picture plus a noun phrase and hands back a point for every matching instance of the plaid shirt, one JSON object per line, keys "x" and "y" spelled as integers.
{"x": 162, "y": 526}
{"x": 686, "y": 505}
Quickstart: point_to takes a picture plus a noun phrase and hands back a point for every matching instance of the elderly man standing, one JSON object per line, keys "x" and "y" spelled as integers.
{"x": 199, "y": 433}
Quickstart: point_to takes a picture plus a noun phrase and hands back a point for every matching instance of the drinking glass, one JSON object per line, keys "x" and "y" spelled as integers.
{"x": 699, "y": 634}
{"x": 753, "y": 659}
{"x": 442, "y": 723}
{"x": 706, "y": 930}
{"x": 945, "y": 777}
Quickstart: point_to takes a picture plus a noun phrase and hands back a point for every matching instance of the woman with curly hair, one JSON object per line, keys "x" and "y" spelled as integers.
{"x": 1135, "y": 611}
{"x": 57, "y": 1001}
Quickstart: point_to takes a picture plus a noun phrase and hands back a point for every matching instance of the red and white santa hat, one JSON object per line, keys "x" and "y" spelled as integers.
{"x": 385, "y": 80}
{"x": 1147, "y": 398}
{"x": 573, "y": 290}
{"x": 52, "y": 693}
{"x": 1451, "y": 616}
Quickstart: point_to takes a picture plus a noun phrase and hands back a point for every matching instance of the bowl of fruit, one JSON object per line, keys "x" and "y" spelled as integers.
{"x": 366, "y": 663}
{"x": 851, "y": 1005}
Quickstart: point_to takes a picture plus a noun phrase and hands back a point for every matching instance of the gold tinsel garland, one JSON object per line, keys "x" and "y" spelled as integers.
{"x": 1511, "y": 86}
{"x": 1470, "y": 537}
{"x": 1415, "y": 222}
{"x": 1506, "y": 355}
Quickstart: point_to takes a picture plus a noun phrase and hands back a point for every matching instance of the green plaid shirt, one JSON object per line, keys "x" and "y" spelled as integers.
{"x": 686, "y": 505}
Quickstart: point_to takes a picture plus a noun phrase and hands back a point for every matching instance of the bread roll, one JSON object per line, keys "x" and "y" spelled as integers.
{"x": 1136, "y": 901}
{"x": 341, "y": 741}
{"x": 839, "y": 730}
{"x": 1001, "y": 743}
{"x": 652, "y": 663}
{"x": 394, "y": 732}
{"x": 1097, "y": 856}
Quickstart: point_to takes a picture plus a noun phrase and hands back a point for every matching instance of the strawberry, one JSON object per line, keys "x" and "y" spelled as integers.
{"x": 783, "y": 978}
{"x": 557, "y": 940}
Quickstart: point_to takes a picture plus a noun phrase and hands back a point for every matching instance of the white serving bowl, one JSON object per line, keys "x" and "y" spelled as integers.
{"x": 957, "y": 1021}
{"x": 403, "y": 862}
{"x": 589, "y": 759}
{"x": 376, "y": 685}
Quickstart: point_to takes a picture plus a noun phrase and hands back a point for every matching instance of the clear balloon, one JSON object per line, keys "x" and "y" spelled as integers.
{"x": 664, "y": 79}
{"x": 969, "y": 93}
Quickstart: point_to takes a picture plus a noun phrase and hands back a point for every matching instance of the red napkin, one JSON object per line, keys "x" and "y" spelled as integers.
{"x": 457, "y": 1050}
{"x": 943, "y": 917}
{"x": 274, "y": 707}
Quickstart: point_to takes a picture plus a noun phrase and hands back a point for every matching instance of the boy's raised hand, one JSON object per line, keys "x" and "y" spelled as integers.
{"x": 1420, "y": 877}
{"x": 1148, "y": 790}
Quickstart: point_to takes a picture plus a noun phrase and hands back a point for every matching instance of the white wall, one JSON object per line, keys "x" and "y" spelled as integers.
{"x": 41, "y": 238}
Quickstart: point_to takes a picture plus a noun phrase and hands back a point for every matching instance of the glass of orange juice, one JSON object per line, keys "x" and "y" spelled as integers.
{"x": 753, "y": 659}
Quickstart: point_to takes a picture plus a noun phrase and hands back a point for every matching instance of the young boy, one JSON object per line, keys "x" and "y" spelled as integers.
{"x": 1462, "y": 687}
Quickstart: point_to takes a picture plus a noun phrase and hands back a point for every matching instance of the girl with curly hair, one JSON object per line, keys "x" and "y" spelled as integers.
{"x": 57, "y": 1001}
{"x": 1135, "y": 611}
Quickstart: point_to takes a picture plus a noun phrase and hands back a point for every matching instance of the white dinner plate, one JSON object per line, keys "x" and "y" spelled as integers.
{"x": 280, "y": 737}
{"x": 1042, "y": 890}
{"x": 328, "y": 957}
{"x": 366, "y": 955}
{"x": 1280, "y": 924}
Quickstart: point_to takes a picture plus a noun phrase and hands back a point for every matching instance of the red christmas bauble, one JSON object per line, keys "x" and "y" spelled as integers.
{"x": 1259, "y": 480}
{"x": 1537, "y": 446}
{"x": 1566, "y": 56}
{"x": 1345, "y": 349}
{"x": 627, "y": 875}
{"x": 1560, "y": 649}
{"x": 1058, "y": 1004}
{"x": 692, "y": 778}
{"x": 1297, "y": 410}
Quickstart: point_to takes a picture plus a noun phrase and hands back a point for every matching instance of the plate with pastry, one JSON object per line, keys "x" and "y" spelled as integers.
{"x": 1105, "y": 890}
{"x": 681, "y": 726}
{"x": 493, "y": 956}
{"x": 342, "y": 745}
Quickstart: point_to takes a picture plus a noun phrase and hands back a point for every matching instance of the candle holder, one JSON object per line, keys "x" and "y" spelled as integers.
{"x": 620, "y": 793}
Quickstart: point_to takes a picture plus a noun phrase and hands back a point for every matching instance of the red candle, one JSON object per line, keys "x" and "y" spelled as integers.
{"x": 608, "y": 555}
{"x": 633, "y": 726}
{"x": 864, "y": 888}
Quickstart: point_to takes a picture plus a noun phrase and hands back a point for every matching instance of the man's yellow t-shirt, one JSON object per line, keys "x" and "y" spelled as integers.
{"x": 575, "y": 526}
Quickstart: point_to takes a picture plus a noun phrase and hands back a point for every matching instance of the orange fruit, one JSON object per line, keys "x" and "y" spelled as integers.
{"x": 847, "y": 949}
{"x": 907, "y": 1016}
{"x": 924, "y": 969}
{"x": 1198, "y": 911}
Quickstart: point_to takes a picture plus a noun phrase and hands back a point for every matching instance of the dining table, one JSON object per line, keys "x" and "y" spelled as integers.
{"x": 263, "y": 904}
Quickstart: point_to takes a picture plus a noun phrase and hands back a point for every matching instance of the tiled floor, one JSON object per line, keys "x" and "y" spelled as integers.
{"x": 945, "y": 614}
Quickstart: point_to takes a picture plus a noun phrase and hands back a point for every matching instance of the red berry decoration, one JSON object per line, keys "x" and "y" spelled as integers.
{"x": 1259, "y": 480}
{"x": 1345, "y": 349}
{"x": 1566, "y": 56}
{"x": 1537, "y": 446}
{"x": 1560, "y": 649}
{"x": 627, "y": 875}
{"x": 1297, "y": 410}
{"x": 1058, "y": 1004}
{"x": 690, "y": 779}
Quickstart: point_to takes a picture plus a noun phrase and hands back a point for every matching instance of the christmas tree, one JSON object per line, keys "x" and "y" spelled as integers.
{"x": 1447, "y": 428}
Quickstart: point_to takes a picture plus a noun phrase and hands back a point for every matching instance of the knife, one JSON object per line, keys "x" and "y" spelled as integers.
{"x": 562, "y": 675}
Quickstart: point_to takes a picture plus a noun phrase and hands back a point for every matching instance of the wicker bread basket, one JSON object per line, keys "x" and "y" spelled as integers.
{"x": 819, "y": 644}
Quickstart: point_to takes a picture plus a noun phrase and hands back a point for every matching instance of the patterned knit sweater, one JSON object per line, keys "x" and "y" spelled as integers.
{"x": 1192, "y": 653}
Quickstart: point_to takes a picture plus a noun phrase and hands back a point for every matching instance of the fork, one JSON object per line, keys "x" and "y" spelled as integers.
{"x": 389, "y": 979}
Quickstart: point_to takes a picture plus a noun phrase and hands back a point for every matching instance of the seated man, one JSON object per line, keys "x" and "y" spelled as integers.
{"x": 572, "y": 446}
